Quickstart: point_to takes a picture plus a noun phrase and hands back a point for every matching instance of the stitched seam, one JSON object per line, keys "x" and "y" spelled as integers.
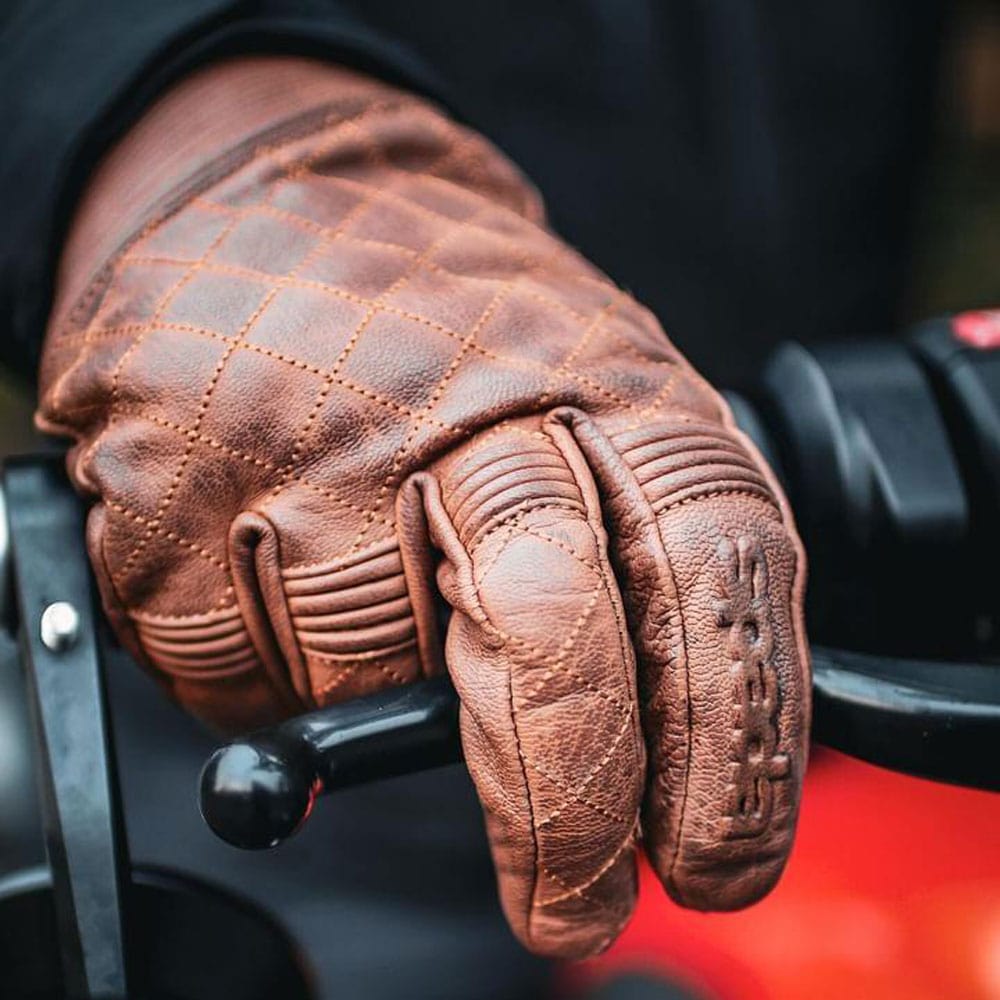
{"x": 627, "y": 713}
{"x": 145, "y": 328}
{"x": 323, "y": 287}
{"x": 516, "y": 515}
{"x": 231, "y": 347}
{"x": 558, "y": 663}
{"x": 340, "y": 380}
{"x": 370, "y": 199}
{"x": 308, "y": 225}
{"x": 393, "y": 675}
{"x": 202, "y": 410}
{"x": 228, "y": 165}
{"x": 435, "y": 397}
{"x": 662, "y": 397}
{"x": 569, "y": 550}
{"x": 616, "y": 742}
{"x": 362, "y": 656}
{"x": 153, "y": 526}
{"x": 506, "y": 426}
{"x": 580, "y": 890}
{"x": 582, "y": 799}
{"x": 327, "y": 565}
{"x": 540, "y": 657}
{"x": 536, "y": 863}
{"x": 588, "y": 332}
{"x": 688, "y": 757}
{"x": 747, "y": 494}
{"x": 176, "y": 201}
{"x": 342, "y": 675}
{"x": 400, "y": 283}
{"x": 291, "y": 218}
{"x": 252, "y": 460}
{"x": 161, "y": 308}
{"x": 337, "y": 680}
{"x": 434, "y": 216}
{"x": 137, "y": 518}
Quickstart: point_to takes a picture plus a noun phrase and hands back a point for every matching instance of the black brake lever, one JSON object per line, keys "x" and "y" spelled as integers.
{"x": 935, "y": 720}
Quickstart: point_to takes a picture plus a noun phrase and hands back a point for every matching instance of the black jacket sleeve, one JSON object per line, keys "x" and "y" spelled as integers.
{"x": 74, "y": 75}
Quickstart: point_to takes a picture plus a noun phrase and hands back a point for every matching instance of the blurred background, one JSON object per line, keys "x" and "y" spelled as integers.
{"x": 956, "y": 230}
{"x": 893, "y": 890}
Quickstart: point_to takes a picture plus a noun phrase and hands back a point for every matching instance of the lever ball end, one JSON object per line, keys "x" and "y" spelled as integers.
{"x": 252, "y": 797}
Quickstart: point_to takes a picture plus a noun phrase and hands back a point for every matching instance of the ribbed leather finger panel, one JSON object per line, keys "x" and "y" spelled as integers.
{"x": 678, "y": 461}
{"x": 200, "y": 646}
{"x": 353, "y": 615}
{"x": 517, "y": 473}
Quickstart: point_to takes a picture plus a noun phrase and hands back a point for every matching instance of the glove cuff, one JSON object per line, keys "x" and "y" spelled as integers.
{"x": 206, "y": 119}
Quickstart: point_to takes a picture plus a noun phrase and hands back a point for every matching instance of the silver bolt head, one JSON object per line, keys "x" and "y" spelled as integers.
{"x": 60, "y": 626}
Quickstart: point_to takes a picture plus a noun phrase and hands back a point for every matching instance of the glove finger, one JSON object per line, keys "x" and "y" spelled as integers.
{"x": 206, "y": 658}
{"x": 539, "y": 652}
{"x": 245, "y": 613}
{"x": 713, "y": 576}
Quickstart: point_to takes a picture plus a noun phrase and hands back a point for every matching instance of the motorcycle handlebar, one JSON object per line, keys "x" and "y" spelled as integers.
{"x": 937, "y": 720}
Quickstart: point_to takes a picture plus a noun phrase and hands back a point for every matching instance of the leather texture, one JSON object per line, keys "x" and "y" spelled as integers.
{"x": 340, "y": 368}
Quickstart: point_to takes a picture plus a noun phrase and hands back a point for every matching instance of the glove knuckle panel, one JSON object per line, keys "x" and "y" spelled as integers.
{"x": 511, "y": 473}
{"x": 677, "y": 461}
{"x": 353, "y": 622}
{"x": 197, "y": 647}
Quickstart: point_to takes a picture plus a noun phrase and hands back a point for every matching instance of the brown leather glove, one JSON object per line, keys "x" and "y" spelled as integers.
{"x": 315, "y": 346}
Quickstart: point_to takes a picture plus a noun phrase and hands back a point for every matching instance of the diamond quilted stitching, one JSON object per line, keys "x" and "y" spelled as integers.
{"x": 510, "y": 389}
{"x": 625, "y": 378}
{"x": 375, "y": 360}
{"x": 232, "y": 486}
{"x": 366, "y": 271}
{"x": 186, "y": 235}
{"x": 270, "y": 405}
{"x": 250, "y": 185}
{"x": 165, "y": 373}
{"x": 218, "y": 301}
{"x": 134, "y": 462}
{"x": 314, "y": 326}
{"x": 267, "y": 243}
{"x": 442, "y": 299}
{"x": 137, "y": 292}
{"x": 170, "y": 563}
{"x": 396, "y": 222}
{"x": 468, "y": 254}
{"x": 348, "y": 424}
{"x": 447, "y": 200}
{"x": 523, "y": 331}
{"x": 318, "y": 200}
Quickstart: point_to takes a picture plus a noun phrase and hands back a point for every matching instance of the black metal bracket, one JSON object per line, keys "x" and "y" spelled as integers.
{"x": 58, "y": 625}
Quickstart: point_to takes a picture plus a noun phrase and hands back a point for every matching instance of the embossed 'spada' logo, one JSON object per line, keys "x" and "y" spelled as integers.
{"x": 756, "y": 763}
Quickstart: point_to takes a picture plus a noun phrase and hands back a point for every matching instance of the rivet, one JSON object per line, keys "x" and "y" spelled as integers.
{"x": 60, "y": 626}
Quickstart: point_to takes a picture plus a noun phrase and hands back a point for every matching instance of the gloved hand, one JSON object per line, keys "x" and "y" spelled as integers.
{"x": 322, "y": 359}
